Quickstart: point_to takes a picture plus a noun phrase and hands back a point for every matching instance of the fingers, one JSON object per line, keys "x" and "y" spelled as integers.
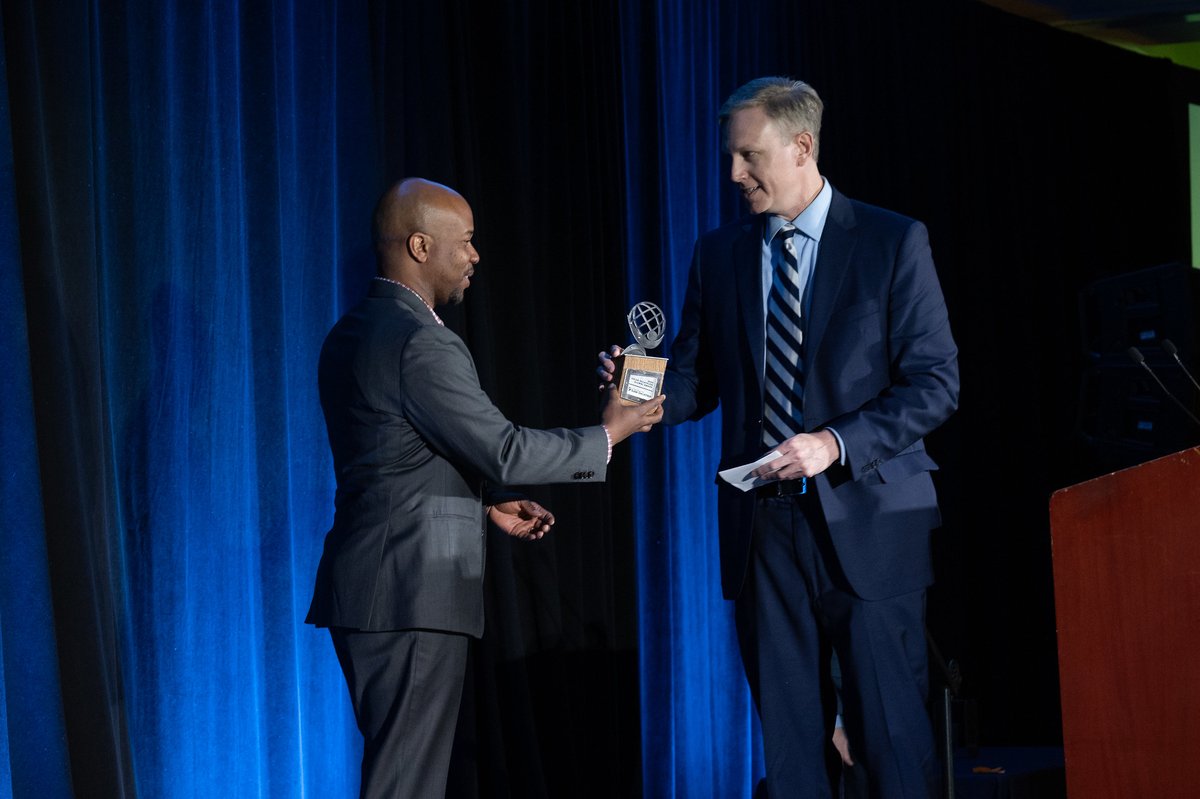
{"x": 607, "y": 368}
{"x": 652, "y": 412}
{"x": 623, "y": 419}
{"x": 539, "y": 520}
{"x": 785, "y": 467}
{"x": 653, "y": 406}
{"x": 529, "y": 531}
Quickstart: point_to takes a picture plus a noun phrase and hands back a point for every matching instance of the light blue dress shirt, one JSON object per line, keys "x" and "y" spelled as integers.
{"x": 810, "y": 223}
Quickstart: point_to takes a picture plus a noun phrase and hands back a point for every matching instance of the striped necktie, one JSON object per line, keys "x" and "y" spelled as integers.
{"x": 782, "y": 410}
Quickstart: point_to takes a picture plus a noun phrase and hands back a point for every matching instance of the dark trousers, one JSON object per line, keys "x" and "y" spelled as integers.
{"x": 405, "y": 687}
{"x": 795, "y": 609}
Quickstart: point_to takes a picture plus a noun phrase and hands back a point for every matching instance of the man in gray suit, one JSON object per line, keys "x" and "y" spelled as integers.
{"x": 417, "y": 447}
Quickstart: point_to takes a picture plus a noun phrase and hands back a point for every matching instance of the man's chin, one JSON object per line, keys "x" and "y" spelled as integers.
{"x": 756, "y": 203}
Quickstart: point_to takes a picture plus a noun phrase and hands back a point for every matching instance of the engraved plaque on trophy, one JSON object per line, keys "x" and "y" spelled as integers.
{"x": 638, "y": 376}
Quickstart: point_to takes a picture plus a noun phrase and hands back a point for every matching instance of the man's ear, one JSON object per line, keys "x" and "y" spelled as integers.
{"x": 418, "y": 247}
{"x": 804, "y": 147}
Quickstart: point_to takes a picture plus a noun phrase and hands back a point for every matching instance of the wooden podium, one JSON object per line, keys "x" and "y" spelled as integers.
{"x": 1127, "y": 598}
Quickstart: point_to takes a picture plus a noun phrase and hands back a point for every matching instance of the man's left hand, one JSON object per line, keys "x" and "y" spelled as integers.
{"x": 803, "y": 455}
{"x": 521, "y": 518}
{"x": 842, "y": 744}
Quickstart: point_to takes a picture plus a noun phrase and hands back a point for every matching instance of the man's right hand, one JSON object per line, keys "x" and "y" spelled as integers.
{"x": 622, "y": 421}
{"x": 606, "y": 369}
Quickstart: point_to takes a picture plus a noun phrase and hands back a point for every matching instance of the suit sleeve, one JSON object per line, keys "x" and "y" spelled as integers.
{"x": 690, "y": 383}
{"x": 444, "y": 402}
{"x": 922, "y": 384}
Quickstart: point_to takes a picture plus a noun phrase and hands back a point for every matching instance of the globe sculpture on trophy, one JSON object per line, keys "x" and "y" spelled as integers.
{"x": 638, "y": 376}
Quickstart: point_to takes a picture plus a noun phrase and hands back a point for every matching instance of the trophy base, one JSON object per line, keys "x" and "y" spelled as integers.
{"x": 638, "y": 378}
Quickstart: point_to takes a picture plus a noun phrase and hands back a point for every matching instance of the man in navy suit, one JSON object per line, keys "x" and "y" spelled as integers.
{"x": 819, "y": 326}
{"x": 419, "y": 451}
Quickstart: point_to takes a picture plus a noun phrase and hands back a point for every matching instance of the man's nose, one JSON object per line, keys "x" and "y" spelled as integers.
{"x": 736, "y": 169}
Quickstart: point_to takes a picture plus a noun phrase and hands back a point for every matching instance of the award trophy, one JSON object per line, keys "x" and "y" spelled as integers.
{"x": 639, "y": 377}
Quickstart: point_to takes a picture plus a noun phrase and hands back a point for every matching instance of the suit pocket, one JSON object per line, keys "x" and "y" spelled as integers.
{"x": 454, "y": 546}
{"x": 856, "y": 311}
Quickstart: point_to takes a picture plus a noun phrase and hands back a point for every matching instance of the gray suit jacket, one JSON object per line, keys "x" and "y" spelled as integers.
{"x": 415, "y": 439}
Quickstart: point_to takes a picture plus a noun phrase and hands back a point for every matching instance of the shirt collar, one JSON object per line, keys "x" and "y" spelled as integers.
{"x": 810, "y": 222}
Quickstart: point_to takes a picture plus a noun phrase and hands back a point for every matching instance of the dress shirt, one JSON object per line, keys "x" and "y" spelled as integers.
{"x": 810, "y": 223}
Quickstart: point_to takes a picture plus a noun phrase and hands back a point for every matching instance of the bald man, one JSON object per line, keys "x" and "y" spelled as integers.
{"x": 419, "y": 449}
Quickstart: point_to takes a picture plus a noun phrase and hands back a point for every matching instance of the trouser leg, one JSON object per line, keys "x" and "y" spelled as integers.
{"x": 885, "y": 685}
{"x": 796, "y": 607}
{"x": 405, "y": 687}
{"x": 785, "y": 659}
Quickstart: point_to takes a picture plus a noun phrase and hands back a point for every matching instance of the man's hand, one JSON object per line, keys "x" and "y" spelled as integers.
{"x": 623, "y": 421}
{"x": 803, "y": 455}
{"x": 521, "y": 518}
{"x": 606, "y": 369}
{"x": 842, "y": 745}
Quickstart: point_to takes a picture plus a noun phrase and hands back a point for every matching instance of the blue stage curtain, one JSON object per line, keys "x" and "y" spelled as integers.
{"x": 184, "y": 240}
{"x": 33, "y": 757}
{"x": 700, "y": 733}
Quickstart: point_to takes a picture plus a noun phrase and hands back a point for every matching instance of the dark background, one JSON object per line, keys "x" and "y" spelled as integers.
{"x": 190, "y": 196}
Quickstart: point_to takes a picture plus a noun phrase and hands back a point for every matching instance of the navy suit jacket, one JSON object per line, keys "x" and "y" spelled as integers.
{"x": 880, "y": 366}
{"x": 415, "y": 440}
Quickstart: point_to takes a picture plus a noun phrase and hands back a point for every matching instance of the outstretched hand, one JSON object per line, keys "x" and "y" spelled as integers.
{"x": 521, "y": 518}
{"x": 623, "y": 421}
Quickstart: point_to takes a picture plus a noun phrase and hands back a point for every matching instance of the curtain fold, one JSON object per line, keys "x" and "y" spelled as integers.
{"x": 33, "y": 748}
{"x": 182, "y": 187}
{"x": 699, "y": 729}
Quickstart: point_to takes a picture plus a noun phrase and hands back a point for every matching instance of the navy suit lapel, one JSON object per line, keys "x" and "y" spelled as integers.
{"x": 747, "y": 275}
{"x": 833, "y": 261}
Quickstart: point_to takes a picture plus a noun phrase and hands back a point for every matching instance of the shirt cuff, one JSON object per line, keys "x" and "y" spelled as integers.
{"x": 608, "y": 438}
{"x": 841, "y": 446}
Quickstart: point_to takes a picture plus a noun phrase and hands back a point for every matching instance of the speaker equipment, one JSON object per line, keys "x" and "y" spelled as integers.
{"x": 1124, "y": 416}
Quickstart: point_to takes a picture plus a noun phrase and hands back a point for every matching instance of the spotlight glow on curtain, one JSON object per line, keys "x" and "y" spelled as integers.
{"x": 183, "y": 221}
{"x": 233, "y": 297}
{"x": 699, "y": 729}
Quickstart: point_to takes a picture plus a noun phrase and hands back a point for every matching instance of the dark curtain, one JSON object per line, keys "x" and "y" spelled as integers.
{"x": 34, "y": 753}
{"x": 190, "y": 180}
{"x": 184, "y": 211}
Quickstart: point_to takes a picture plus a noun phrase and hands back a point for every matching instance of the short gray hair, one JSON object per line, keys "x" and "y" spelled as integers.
{"x": 792, "y": 105}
